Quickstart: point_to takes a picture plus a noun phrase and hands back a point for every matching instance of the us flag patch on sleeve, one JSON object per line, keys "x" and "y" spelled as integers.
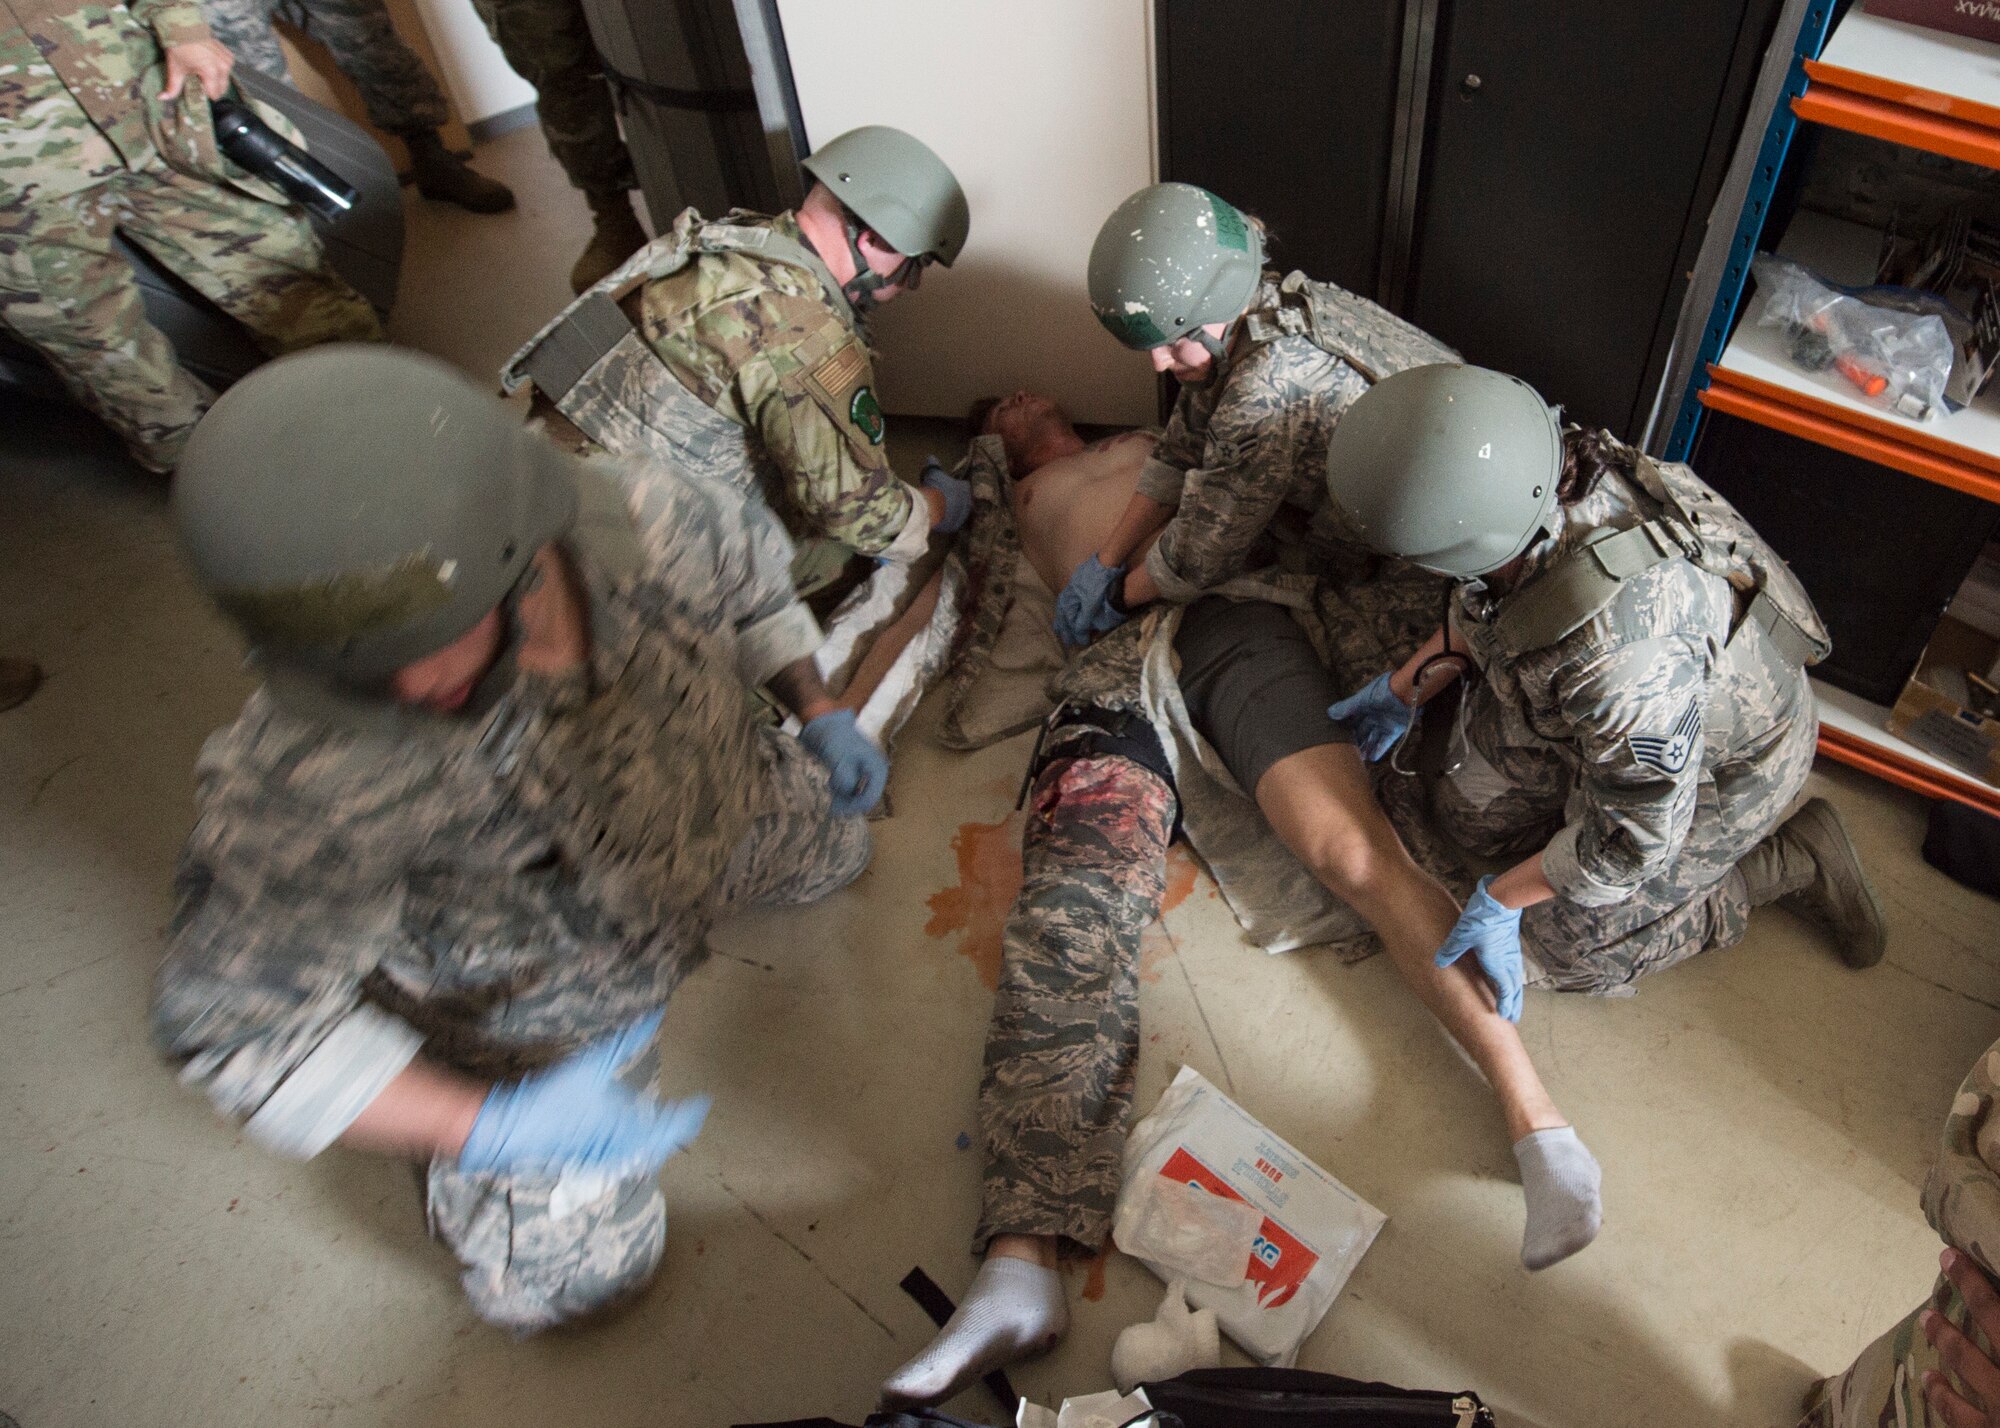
{"x": 1669, "y": 752}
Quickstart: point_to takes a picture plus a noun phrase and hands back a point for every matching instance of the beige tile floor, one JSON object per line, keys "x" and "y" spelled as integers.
{"x": 1764, "y": 1115}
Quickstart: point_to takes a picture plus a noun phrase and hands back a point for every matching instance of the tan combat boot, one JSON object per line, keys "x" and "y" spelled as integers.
{"x": 1809, "y": 867}
{"x": 617, "y": 238}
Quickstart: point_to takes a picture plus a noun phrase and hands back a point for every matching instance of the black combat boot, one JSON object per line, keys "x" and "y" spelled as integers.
{"x": 444, "y": 176}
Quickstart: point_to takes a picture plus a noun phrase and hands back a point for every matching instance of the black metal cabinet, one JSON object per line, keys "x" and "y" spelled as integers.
{"x": 1284, "y": 109}
{"x": 1568, "y": 163}
{"x": 1528, "y": 182}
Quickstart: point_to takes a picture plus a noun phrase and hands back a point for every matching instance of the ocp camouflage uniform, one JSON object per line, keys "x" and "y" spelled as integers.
{"x": 496, "y": 889}
{"x": 400, "y": 94}
{"x": 547, "y": 43}
{"x": 729, "y": 350}
{"x": 1649, "y": 749}
{"x": 1961, "y": 1200}
{"x": 1243, "y": 458}
{"x": 87, "y": 149}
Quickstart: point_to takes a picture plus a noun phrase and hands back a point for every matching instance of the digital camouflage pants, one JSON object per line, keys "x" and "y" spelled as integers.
{"x": 1507, "y": 799}
{"x": 1063, "y": 1045}
{"x": 539, "y": 1249}
{"x": 67, "y": 292}
{"x": 1884, "y": 1386}
{"x": 400, "y": 94}
{"x": 547, "y": 42}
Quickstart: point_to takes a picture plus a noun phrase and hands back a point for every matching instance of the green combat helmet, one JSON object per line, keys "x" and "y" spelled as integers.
{"x": 354, "y": 508}
{"x": 1169, "y": 260}
{"x": 1452, "y": 468}
{"x": 893, "y": 183}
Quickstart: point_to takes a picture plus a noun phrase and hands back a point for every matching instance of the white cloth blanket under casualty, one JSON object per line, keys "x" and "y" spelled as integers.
{"x": 1008, "y": 672}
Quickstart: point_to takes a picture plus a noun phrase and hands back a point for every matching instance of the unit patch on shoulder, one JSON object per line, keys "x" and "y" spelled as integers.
{"x": 1669, "y": 752}
{"x": 865, "y": 412}
{"x": 841, "y": 382}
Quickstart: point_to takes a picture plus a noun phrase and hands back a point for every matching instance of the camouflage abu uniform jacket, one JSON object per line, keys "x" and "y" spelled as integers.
{"x": 1649, "y": 697}
{"x": 727, "y": 348}
{"x": 497, "y": 887}
{"x": 1243, "y": 458}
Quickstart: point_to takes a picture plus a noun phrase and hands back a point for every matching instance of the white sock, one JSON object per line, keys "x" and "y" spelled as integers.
{"x": 1014, "y": 1308}
{"x": 1560, "y": 1179}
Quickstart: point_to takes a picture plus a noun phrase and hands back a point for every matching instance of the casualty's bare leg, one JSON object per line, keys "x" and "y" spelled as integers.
{"x": 1319, "y": 802}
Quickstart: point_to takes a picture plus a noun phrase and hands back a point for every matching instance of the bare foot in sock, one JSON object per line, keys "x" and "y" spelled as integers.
{"x": 1013, "y": 1309}
{"x": 1561, "y": 1181}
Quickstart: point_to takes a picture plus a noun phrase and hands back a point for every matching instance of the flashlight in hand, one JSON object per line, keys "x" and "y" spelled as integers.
{"x": 254, "y": 145}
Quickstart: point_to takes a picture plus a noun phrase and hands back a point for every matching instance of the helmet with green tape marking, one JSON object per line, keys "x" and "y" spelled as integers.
{"x": 1170, "y": 259}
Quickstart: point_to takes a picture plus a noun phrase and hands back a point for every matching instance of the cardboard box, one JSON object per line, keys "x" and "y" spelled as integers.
{"x": 1979, "y": 19}
{"x": 1943, "y": 711}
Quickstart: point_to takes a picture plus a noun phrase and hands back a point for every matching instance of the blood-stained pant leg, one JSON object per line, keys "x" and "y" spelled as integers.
{"x": 1056, "y": 1095}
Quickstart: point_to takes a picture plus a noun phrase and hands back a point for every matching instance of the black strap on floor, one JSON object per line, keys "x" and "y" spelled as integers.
{"x": 936, "y": 1303}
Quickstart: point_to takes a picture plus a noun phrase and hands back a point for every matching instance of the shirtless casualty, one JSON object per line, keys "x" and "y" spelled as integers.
{"x": 1118, "y": 770}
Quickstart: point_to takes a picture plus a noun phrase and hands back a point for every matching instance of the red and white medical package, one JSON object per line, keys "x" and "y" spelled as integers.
{"x": 1313, "y": 1230}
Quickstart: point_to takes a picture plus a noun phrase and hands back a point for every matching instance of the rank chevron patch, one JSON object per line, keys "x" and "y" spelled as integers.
{"x": 1669, "y": 752}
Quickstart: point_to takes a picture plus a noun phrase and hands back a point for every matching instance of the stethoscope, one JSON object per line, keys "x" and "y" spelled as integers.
{"x": 1430, "y": 680}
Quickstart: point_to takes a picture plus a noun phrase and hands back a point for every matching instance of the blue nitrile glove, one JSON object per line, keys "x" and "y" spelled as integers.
{"x": 576, "y": 1115}
{"x": 1492, "y": 933}
{"x": 1084, "y": 609}
{"x": 1378, "y": 718}
{"x": 857, "y": 769}
{"x": 957, "y": 495}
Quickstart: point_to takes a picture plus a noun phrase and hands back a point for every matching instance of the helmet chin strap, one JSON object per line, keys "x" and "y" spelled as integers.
{"x": 866, "y": 282}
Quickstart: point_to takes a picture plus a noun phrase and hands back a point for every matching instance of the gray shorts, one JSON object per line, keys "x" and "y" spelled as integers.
{"x": 1253, "y": 685}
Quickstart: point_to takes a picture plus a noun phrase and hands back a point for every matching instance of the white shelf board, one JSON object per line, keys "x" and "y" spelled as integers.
{"x": 1869, "y": 722}
{"x": 1844, "y": 253}
{"x": 1922, "y": 58}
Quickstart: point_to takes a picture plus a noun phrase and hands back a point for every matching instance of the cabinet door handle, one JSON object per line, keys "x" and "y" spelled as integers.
{"x": 1469, "y": 86}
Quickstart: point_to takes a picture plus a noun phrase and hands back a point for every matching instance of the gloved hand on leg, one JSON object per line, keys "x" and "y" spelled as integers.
{"x": 1084, "y": 609}
{"x": 957, "y": 495}
{"x": 856, "y": 768}
{"x": 1377, "y": 717}
{"x": 577, "y": 1115}
{"x": 1490, "y": 931}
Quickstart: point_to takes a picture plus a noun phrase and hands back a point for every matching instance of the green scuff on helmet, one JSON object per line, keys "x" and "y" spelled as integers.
{"x": 894, "y": 183}
{"x": 1170, "y": 259}
{"x": 1449, "y": 467}
{"x": 354, "y": 508}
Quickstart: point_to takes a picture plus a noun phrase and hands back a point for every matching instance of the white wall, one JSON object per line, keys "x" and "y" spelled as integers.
{"x": 1044, "y": 110}
{"x": 474, "y": 71}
